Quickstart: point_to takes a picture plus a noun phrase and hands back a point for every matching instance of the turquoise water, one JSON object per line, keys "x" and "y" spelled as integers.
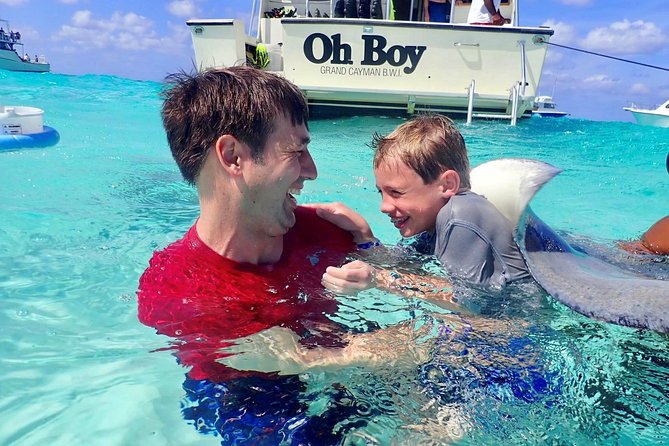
{"x": 81, "y": 219}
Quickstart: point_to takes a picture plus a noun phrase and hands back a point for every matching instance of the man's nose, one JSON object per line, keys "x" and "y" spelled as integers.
{"x": 308, "y": 167}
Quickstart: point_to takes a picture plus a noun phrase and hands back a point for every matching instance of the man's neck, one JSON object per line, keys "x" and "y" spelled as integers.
{"x": 232, "y": 241}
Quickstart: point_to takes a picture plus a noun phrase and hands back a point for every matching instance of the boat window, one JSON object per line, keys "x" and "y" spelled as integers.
{"x": 549, "y": 105}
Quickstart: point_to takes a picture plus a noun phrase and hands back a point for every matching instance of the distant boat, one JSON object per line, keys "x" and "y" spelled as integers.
{"x": 12, "y": 54}
{"x": 545, "y": 107}
{"x": 658, "y": 117}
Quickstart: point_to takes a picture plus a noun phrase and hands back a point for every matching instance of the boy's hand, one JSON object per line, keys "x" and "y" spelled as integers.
{"x": 346, "y": 218}
{"x": 350, "y": 278}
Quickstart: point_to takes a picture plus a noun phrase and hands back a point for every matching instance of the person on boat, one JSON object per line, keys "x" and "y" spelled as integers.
{"x": 247, "y": 274}
{"x": 437, "y": 11}
{"x": 485, "y": 12}
{"x": 422, "y": 174}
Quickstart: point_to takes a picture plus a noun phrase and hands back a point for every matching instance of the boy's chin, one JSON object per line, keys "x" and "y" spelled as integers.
{"x": 406, "y": 233}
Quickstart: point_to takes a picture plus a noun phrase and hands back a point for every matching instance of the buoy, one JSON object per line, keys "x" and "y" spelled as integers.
{"x": 22, "y": 128}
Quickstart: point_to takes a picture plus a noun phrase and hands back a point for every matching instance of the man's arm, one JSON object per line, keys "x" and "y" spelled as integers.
{"x": 403, "y": 345}
{"x": 496, "y": 17}
{"x": 277, "y": 350}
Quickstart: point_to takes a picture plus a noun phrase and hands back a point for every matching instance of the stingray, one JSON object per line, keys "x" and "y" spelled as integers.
{"x": 588, "y": 285}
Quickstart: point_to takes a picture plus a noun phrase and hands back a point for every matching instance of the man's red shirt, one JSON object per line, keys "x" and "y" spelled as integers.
{"x": 205, "y": 300}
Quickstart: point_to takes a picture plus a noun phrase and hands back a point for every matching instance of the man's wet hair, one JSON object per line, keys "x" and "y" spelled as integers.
{"x": 241, "y": 101}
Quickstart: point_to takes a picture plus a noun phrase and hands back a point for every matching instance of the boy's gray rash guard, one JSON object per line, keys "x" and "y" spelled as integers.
{"x": 474, "y": 241}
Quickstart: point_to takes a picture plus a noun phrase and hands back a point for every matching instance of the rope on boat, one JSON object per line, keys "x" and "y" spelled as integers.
{"x": 605, "y": 55}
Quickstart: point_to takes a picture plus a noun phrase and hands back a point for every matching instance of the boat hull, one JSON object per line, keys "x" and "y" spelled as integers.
{"x": 10, "y": 61}
{"x": 389, "y": 65}
{"x": 549, "y": 114}
{"x": 649, "y": 118}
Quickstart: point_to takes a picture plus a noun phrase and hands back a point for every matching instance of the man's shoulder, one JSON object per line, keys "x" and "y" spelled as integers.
{"x": 175, "y": 252}
{"x": 167, "y": 266}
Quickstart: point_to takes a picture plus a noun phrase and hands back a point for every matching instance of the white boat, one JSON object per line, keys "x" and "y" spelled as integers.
{"x": 382, "y": 63}
{"x": 12, "y": 54}
{"x": 658, "y": 117}
{"x": 546, "y": 108}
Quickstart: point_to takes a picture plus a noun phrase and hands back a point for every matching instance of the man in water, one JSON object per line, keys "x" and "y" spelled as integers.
{"x": 246, "y": 276}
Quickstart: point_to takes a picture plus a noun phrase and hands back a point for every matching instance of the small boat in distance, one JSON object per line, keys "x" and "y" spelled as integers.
{"x": 12, "y": 54}
{"x": 546, "y": 108}
{"x": 658, "y": 117}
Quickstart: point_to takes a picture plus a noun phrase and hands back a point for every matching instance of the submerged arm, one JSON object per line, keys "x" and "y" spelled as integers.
{"x": 277, "y": 350}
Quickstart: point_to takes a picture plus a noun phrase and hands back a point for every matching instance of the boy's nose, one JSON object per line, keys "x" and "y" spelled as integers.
{"x": 386, "y": 205}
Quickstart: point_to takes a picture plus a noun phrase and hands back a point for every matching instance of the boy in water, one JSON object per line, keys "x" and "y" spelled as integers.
{"x": 422, "y": 174}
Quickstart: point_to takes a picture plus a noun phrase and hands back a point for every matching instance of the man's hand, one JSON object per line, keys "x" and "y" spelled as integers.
{"x": 498, "y": 19}
{"x": 346, "y": 218}
{"x": 350, "y": 278}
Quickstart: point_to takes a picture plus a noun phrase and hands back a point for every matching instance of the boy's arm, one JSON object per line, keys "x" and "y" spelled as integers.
{"x": 358, "y": 276}
{"x": 347, "y": 219}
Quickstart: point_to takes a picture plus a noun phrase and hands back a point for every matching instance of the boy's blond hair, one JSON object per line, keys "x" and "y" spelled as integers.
{"x": 430, "y": 144}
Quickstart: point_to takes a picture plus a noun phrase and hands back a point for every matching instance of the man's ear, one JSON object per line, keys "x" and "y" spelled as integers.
{"x": 229, "y": 152}
{"x": 450, "y": 183}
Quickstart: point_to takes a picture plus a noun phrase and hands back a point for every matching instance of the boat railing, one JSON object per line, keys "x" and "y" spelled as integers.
{"x": 9, "y": 36}
{"x": 641, "y": 106}
{"x": 523, "y": 67}
{"x": 319, "y": 8}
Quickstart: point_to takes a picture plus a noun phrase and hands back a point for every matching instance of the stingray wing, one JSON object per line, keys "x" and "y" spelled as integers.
{"x": 510, "y": 183}
{"x": 585, "y": 284}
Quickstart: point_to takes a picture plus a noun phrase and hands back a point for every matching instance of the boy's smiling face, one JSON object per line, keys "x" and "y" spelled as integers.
{"x": 411, "y": 204}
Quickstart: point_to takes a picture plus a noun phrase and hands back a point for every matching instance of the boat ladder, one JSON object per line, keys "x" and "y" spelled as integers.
{"x": 513, "y": 102}
{"x": 516, "y": 90}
